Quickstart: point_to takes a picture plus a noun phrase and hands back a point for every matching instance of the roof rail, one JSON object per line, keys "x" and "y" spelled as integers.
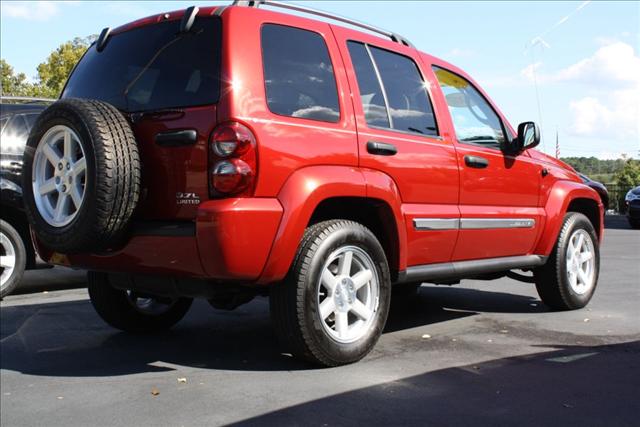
{"x": 256, "y": 3}
{"x": 25, "y": 99}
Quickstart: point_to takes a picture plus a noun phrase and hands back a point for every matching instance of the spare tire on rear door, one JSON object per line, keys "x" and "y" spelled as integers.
{"x": 81, "y": 176}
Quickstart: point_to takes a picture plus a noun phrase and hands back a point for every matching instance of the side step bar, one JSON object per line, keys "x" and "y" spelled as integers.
{"x": 467, "y": 269}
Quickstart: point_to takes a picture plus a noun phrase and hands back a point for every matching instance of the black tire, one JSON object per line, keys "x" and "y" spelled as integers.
{"x": 113, "y": 176}
{"x": 552, "y": 281}
{"x": 634, "y": 223}
{"x": 116, "y": 308}
{"x": 294, "y": 306}
{"x": 13, "y": 238}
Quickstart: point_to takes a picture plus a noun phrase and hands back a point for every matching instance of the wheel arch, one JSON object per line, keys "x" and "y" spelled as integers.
{"x": 316, "y": 193}
{"x": 569, "y": 196}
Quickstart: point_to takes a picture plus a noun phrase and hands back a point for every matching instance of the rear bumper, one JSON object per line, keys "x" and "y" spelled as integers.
{"x": 230, "y": 240}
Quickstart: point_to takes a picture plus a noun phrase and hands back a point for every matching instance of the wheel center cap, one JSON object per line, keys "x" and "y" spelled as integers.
{"x": 345, "y": 294}
{"x": 63, "y": 176}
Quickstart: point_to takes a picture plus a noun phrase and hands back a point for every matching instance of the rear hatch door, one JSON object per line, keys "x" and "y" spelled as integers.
{"x": 167, "y": 83}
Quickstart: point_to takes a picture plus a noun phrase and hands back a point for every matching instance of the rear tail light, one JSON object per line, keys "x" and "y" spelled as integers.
{"x": 233, "y": 156}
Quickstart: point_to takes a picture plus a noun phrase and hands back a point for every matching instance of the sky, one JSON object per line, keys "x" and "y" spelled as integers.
{"x": 583, "y": 57}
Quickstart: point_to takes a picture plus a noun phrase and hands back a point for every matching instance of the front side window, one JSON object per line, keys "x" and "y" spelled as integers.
{"x": 473, "y": 118}
{"x": 298, "y": 73}
{"x": 392, "y": 91}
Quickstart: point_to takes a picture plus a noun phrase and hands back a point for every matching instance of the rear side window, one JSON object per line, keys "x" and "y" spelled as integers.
{"x": 474, "y": 119}
{"x": 299, "y": 79}
{"x": 391, "y": 85}
{"x": 153, "y": 67}
{"x": 373, "y": 103}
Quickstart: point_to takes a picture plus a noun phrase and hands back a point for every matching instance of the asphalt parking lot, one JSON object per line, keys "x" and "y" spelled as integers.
{"x": 475, "y": 354}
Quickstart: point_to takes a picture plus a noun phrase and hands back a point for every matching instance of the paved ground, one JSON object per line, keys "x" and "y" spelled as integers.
{"x": 495, "y": 356}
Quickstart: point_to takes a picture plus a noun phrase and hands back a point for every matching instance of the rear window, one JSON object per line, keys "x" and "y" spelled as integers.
{"x": 298, "y": 74}
{"x": 153, "y": 67}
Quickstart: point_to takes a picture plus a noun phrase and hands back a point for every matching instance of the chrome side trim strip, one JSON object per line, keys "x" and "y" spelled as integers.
{"x": 423, "y": 224}
{"x": 436, "y": 223}
{"x": 488, "y": 223}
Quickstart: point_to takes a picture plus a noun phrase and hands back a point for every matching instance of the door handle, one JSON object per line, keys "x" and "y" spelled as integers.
{"x": 177, "y": 138}
{"x": 381, "y": 148}
{"x": 476, "y": 162}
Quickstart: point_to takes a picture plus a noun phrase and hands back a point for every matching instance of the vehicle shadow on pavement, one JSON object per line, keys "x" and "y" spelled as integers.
{"x": 69, "y": 339}
{"x": 573, "y": 385}
{"x": 435, "y": 304}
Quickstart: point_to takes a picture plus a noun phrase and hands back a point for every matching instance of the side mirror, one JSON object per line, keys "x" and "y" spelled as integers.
{"x": 528, "y": 137}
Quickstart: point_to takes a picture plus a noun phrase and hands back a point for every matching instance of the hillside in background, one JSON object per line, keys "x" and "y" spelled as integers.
{"x": 596, "y": 169}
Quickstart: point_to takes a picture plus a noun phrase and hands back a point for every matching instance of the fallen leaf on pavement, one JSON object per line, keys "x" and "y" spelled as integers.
{"x": 155, "y": 391}
{"x": 182, "y": 380}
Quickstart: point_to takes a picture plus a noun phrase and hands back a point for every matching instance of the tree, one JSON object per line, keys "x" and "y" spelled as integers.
{"x": 12, "y": 84}
{"x": 52, "y": 74}
{"x": 627, "y": 178}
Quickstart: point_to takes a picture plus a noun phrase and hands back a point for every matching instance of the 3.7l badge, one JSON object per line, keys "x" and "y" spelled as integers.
{"x": 187, "y": 198}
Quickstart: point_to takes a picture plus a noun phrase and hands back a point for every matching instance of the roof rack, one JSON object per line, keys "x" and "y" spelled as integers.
{"x": 25, "y": 99}
{"x": 256, "y": 3}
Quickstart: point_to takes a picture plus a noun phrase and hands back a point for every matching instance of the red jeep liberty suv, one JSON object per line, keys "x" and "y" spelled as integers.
{"x": 234, "y": 151}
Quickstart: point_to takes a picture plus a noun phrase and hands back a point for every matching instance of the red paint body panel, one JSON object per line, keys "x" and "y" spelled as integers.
{"x": 300, "y": 195}
{"x": 427, "y": 247}
{"x": 169, "y": 170}
{"x": 561, "y": 194}
{"x": 494, "y": 243}
{"x": 235, "y": 236}
{"x": 285, "y": 144}
{"x": 301, "y": 163}
{"x": 153, "y": 255}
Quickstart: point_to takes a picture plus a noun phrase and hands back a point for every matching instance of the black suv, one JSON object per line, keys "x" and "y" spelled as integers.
{"x": 17, "y": 116}
{"x": 633, "y": 206}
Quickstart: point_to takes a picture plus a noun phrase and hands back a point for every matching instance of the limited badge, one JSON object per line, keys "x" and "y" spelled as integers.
{"x": 187, "y": 199}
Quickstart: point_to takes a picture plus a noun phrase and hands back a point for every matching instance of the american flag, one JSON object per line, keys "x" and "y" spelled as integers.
{"x": 557, "y": 146}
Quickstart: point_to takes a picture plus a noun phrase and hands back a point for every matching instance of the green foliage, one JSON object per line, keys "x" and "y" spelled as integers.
{"x": 627, "y": 178}
{"x": 15, "y": 84}
{"x": 594, "y": 168}
{"x": 629, "y": 175}
{"x": 52, "y": 73}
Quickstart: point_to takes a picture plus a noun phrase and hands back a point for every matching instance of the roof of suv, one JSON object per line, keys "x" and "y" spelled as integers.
{"x": 252, "y": 8}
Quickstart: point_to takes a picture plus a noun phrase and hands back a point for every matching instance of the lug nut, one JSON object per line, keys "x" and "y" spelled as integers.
{"x": 64, "y": 188}
{"x": 59, "y": 166}
{"x": 68, "y": 166}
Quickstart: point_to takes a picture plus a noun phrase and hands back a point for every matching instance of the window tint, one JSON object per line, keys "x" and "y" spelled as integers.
{"x": 19, "y": 127}
{"x": 3, "y": 121}
{"x": 298, "y": 74}
{"x": 409, "y": 104}
{"x": 153, "y": 67}
{"x": 375, "y": 111}
{"x": 15, "y": 133}
{"x": 406, "y": 106}
{"x": 30, "y": 119}
{"x": 473, "y": 118}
